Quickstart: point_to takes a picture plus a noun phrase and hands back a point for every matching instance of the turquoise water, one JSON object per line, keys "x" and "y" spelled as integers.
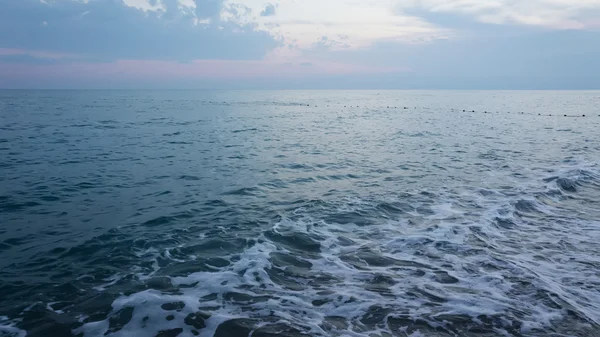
{"x": 299, "y": 213}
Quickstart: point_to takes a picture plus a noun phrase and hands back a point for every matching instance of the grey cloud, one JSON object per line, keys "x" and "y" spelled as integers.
{"x": 531, "y": 59}
{"x": 205, "y": 9}
{"x": 324, "y": 43}
{"x": 269, "y": 10}
{"x": 542, "y": 13}
{"x": 110, "y": 30}
{"x": 208, "y": 8}
{"x": 30, "y": 59}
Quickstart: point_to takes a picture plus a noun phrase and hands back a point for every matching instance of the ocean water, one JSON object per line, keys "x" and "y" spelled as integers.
{"x": 299, "y": 213}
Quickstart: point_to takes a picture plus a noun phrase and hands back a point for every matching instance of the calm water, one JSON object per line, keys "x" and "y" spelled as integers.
{"x": 299, "y": 213}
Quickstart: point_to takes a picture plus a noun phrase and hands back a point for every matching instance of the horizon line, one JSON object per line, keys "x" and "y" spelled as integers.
{"x": 297, "y": 89}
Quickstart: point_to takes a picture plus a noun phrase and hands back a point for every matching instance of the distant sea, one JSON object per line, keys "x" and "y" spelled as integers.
{"x": 299, "y": 213}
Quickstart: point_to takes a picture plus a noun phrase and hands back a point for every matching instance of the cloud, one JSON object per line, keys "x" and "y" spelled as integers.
{"x": 346, "y": 43}
{"x": 556, "y": 14}
{"x": 269, "y": 10}
{"x": 207, "y": 8}
{"x": 531, "y": 59}
{"x": 325, "y": 43}
{"x": 195, "y": 74}
{"x": 361, "y": 22}
{"x": 6, "y": 52}
{"x": 111, "y": 30}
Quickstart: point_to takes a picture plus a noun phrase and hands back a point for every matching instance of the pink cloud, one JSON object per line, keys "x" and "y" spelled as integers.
{"x": 220, "y": 69}
{"x": 591, "y": 24}
{"x": 35, "y": 53}
{"x": 200, "y": 69}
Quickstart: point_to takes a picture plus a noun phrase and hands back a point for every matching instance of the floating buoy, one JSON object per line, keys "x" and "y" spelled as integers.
{"x": 583, "y": 116}
{"x": 565, "y": 115}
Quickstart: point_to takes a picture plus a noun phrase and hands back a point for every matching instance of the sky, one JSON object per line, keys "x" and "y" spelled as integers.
{"x": 300, "y": 44}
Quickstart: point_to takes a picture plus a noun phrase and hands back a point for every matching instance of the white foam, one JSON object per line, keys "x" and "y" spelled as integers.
{"x": 148, "y": 303}
{"x": 49, "y": 307}
{"x": 109, "y": 282}
{"x": 9, "y": 329}
{"x": 498, "y": 271}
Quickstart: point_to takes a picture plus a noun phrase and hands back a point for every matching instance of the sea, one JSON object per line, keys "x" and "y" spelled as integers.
{"x": 299, "y": 213}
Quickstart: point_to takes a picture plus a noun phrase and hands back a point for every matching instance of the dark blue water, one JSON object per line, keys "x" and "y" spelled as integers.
{"x": 299, "y": 213}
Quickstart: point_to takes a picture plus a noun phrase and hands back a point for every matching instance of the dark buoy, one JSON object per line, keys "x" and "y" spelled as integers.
{"x": 582, "y": 115}
{"x": 539, "y": 114}
{"x": 464, "y": 111}
{"x": 388, "y": 106}
{"x": 565, "y": 115}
